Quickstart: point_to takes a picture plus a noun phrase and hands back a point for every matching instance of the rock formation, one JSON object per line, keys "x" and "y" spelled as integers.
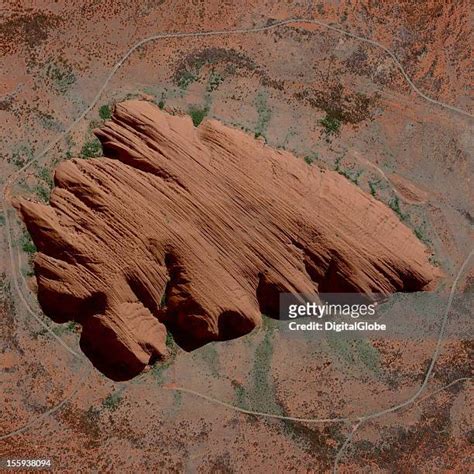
{"x": 196, "y": 231}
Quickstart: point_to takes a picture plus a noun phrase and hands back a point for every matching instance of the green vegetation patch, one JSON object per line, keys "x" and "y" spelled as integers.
{"x": 198, "y": 114}
{"x": 395, "y": 206}
{"x": 160, "y": 367}
{"x": 27, "y": 244}
{"x": 43, "y": 192}
{"x": 351, "y": 175}
{"x": 420, "y": 233}
{"x": 331, "y": 124}
{"x": 105, "y": 112}
{"x": 46, "y": 175}
{"x": 311, "y": 158}
{"x": 92, "y": 148}
{"x": 373, "y": 187}
{"x": 264, "y": 114}
{"x": 261, "y": 396}
{"x": 22, "y": 155}
{"x": 240, "y": 394}
{"x": 69, "y": 142}
{"x": 185, "y": 78}
{"x": 368, "y": 355}
{"x": 44, "y": 187}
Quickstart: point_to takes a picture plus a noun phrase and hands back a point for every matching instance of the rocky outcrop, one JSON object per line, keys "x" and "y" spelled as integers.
{"x": 198, "y": 230}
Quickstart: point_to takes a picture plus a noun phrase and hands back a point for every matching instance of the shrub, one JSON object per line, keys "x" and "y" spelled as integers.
{"x": 395, "y": 206}
{"x": 185, "y": 79}
{"x": 105, "y": 112}
{"x": 331, "y": 125}
{"x": 352, "y": 176}
{"x": 170, "y": 342}
{"x": 27, "y": 244}
{"x": 372, "y": 186}
{"x": 46, "y": 175}
{"x": 197, "y": 114}
{"x": 22, "y": 156}
{"x": 421, "y": 235}
{"x": 43, "y": 193}
{"x": 91, "y": 149}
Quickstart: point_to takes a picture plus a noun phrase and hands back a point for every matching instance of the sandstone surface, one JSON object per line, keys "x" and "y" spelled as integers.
{"x": 196, "y": 231}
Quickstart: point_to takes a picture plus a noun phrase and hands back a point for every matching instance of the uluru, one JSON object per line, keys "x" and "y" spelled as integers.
{"x": 196, "y": 231}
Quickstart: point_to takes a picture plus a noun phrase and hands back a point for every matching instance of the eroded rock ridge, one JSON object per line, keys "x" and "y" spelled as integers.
{"x": 196, "y": 231}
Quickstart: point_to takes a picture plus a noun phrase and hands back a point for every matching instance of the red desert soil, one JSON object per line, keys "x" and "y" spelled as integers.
{"x": 198, "y": 230}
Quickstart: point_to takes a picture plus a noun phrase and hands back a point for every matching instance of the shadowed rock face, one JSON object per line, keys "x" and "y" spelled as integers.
{"x": 198, "y": 230}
